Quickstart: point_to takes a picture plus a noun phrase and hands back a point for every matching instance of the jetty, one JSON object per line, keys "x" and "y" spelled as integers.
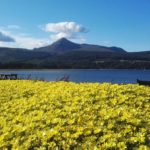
{"x": 143, "y": 82}
{"x": 8, "y": 76}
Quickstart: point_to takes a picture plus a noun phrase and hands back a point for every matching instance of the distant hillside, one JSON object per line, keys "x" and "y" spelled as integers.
{"x": 17, "y": 55}
{"x": 66, "y": 54}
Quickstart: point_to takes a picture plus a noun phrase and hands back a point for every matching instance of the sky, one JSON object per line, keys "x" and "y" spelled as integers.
{"x": 36, "y": 23}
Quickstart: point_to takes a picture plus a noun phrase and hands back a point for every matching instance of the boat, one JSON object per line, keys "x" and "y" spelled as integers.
{"x": 143, "y": 82}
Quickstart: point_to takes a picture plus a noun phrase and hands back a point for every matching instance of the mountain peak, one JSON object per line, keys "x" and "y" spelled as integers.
{"x": 60, "y": 46}
{"x": 63, "y": 40}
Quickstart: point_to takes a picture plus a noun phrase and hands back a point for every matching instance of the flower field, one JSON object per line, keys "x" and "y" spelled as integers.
{"x": 38, "y": 115}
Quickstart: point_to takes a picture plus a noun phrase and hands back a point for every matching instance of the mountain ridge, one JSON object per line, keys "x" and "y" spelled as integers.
{"x": 64, "y": 45}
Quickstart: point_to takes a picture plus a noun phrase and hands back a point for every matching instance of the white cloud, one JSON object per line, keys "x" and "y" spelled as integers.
{"x": 13, "y": 27}
{"x": 69, "y": 30}
{"x": 6, "y": 38}
{"x": 23, "y": 40}
{"x": 31, "y": 42}
{"x": 64, "y": 27}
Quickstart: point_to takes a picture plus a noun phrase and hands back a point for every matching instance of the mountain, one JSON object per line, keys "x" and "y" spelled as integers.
{"x": 63, "y": 45}
{"x": 64, "y": 54}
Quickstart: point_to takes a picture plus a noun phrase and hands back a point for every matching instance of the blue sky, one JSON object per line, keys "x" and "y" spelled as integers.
{"x": 35, "y": 23}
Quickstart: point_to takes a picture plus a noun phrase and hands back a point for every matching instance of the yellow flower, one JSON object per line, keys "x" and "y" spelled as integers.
{"x": 66, "y": 115}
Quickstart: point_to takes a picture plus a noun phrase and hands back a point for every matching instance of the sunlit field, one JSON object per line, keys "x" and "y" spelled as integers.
{"x": 38, "y": 115}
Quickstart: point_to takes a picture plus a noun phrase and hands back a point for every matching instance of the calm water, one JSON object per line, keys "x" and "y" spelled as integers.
{"x": 113, "y": 76}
